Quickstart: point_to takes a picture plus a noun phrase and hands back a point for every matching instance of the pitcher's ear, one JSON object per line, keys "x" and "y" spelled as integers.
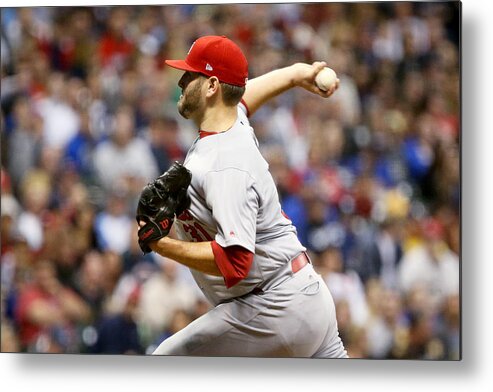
{"x": 213, "y": 86}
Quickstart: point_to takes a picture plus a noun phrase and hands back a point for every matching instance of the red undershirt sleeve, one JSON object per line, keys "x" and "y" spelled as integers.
{"x": 234, "y": 262}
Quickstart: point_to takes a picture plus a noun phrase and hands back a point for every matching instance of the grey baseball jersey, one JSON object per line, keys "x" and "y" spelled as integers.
{"x": 235, "y": 202}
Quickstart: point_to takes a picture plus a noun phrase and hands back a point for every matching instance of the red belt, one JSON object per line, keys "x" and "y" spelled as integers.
{"x": 296, "y": 264}
{"x": 299, "y": 262}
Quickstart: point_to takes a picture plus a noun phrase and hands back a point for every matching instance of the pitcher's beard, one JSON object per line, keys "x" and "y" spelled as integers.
{"x": 185, "y": 109}
{"x": 189, "y": 102}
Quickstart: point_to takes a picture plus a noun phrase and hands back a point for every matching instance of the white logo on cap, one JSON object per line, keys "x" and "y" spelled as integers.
{"x": 208, "y": 67}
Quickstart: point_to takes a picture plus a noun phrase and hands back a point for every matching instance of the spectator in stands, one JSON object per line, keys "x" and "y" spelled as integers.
{"x": 25, "y": 140}
{"x": 47, "y": 308}
{"x": 118, "y": 334}
{"x": 161, "y": 295}
{"x": 124, "y": 161}
{"x": 431, "y": 265}
{"x": 113, "y": 225}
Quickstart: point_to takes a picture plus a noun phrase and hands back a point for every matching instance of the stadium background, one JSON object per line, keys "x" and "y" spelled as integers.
{"x": 370, "y": 177}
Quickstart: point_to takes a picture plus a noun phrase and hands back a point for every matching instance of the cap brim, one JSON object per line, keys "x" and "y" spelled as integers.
{"x": 180, "y": 64}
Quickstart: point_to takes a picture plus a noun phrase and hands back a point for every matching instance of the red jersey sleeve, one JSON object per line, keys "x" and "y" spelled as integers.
{"x": 234, "y": 262}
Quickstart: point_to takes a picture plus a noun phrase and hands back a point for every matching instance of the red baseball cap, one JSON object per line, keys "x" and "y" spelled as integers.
{"x": 215, "y": 56}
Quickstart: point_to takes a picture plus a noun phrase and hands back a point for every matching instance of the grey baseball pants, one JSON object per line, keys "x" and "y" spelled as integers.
{"x": 293, "y": 319}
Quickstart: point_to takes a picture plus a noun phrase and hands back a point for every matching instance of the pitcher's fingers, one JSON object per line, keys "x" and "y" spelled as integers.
{"x": 317, "y": 66}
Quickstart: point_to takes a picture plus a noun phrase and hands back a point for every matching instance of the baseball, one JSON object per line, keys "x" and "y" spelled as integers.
{"x": 325, "y": 78}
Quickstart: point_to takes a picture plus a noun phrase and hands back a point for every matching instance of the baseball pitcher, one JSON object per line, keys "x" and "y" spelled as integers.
{"x": 242, "y": 250}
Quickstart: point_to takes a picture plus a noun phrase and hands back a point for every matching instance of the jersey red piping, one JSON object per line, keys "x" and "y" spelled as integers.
{"x": 203, "y": 134}
{"x": 246, "y": 107}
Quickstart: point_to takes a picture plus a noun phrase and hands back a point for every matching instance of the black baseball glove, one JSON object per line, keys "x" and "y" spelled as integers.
{"x": 156, "y": 227}
{"x": 160, "y": 201}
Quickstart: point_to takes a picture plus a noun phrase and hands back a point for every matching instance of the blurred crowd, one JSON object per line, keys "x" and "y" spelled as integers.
{"x": 370, "y": 177}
